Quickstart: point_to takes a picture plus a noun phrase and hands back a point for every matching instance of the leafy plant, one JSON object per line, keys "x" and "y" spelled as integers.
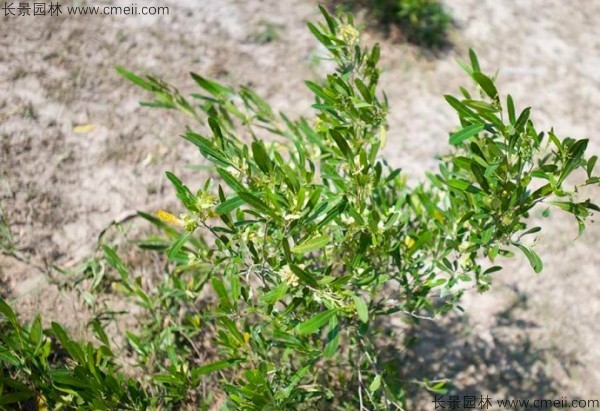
{"x": 45, "y": 368}
{"x": 424, "y": 22}
{"x": 292, "y": 259}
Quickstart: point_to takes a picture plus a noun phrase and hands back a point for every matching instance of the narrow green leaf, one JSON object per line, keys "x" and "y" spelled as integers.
{"x": 333, "y": 213}
{"x": 15, "y": 397}
{"x": 320, "y": 92}
{"x": 364, "y": 90}
{"x": 304, "y": 276}
{"x": 296, "y": 378}
{"x": 474, "y": 61}
{"x": 9, "y": 358}
{"x": 254, "y": 201}
{"x": 486, "y": 84}
{"x": 522, "y": 120}
{"x": 113, "y": 259}
{"x": 465, "y": 67}
{"x": 276, "y": 294}
{"x": 323, "y": 39}
{"x": 590, "y": 165}
{"x": 493, "y": 269}
{"x": 463, "y": 111}
{"x": 341, "y": 143}
{"x": 208, "y": 149}
{"x": 135, "y": 342}
{"x": 479, "y": 173}
{"x": 177, "y": 245}
{"x": 311, "y": 244}
{"x": 213, "y": 123}
{"x": 510, "y": 105}
{"x": 593, "y": 180}
{"x": 35, "y": 333}
{"x": 212, "y": 87}
{"x": 71, "y": 347}
{"x": 215, "y": 366}
{"x": 221, "y": 293}
{"x": 531, "y": 231}
{"x": 463, "y": 162}
{"x": 168, "y": 379}
{"x": 465, "y": 133}
{"x": 375, "y": 54}
{"x": 374, "y": 386}
{"x": 532, "y": 256}
{"x": 135, "y": 79}
{"x": 261, "y": 157}
{"x": 230, "y": 180}
{"x": 229, "y": 205}
{"x": 463, "y": 185}
{"x": 361, "y": 309}
{"x": 331, "y": 23}
{"x": 60, "y": 334}
{"x": 555, "y": 140}
{"x": 233, "y": 329}
{"x": 316, "y": 323}
{"x": 7, "y": 311}
{"x": 183, "y": 192}
{"x": 333, "y": 337}
{"x": 484, "y": 109}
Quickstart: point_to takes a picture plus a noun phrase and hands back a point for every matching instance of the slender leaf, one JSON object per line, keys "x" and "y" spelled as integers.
{"x": 304, "y": 276}
{"x": 361, "y": 309}
{"x": 316, "y": 323}
{"x": 532, "y": 256}
{"x": 311, "y": 244}
{"x": 469, "y": 131}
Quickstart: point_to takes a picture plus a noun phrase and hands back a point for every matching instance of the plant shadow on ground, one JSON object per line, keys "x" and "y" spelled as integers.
{"x": 504, "y": 364}
{"x": 430, "y": 31}
{"x": 4, "y": 292}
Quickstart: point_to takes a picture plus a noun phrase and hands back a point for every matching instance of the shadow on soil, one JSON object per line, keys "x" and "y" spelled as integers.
{"x": 504, "y": 364}
{"x": 3, "y": 287}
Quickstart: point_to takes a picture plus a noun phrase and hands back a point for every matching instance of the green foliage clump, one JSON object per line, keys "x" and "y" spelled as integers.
{"x": 45, "y": 369}
{"x": 423, "y": 22}
{"x": 308, "y": 241}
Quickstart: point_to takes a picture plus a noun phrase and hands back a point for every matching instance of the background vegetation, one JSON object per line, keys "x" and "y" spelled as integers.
{"x": 423, "y": 22}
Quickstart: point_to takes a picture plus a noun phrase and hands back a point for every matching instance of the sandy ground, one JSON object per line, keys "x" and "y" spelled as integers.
{"x": 530, "y": 337}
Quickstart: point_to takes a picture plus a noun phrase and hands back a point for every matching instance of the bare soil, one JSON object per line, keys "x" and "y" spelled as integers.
{"x": 532, "y": 336}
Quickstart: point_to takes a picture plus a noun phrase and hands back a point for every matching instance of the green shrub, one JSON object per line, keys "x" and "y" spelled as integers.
{"x": 308, "y": 241}
{"x": 45, "y": 369}
{"x": 424, "y": 22}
